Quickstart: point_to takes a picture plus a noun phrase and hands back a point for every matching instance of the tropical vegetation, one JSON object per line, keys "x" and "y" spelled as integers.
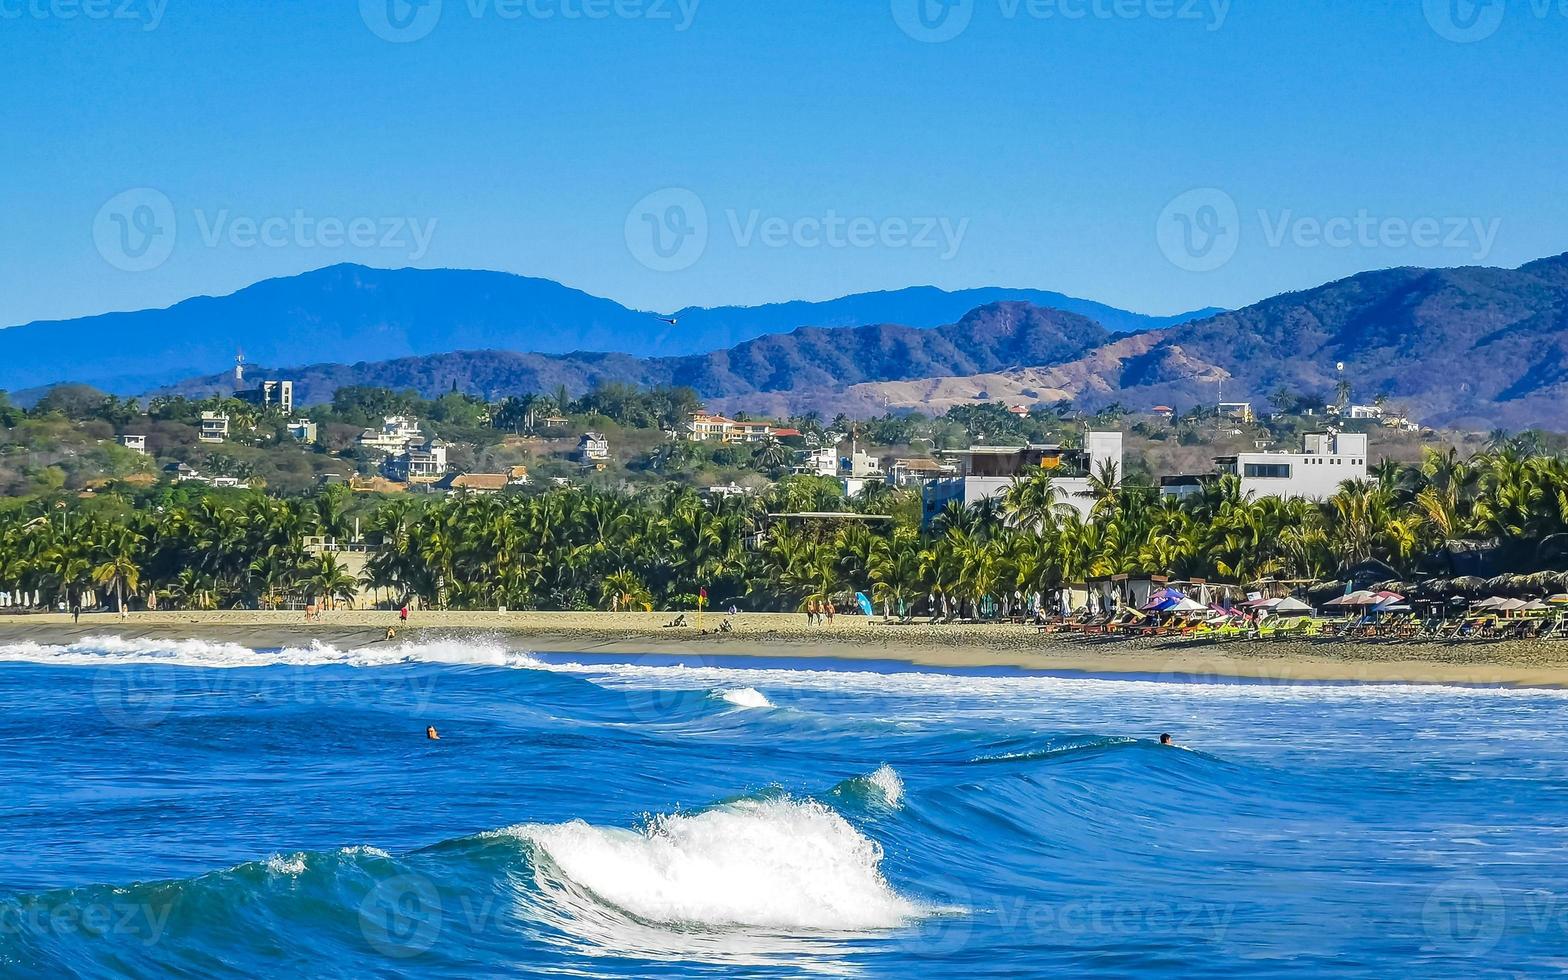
{"x": 661, "y": 547}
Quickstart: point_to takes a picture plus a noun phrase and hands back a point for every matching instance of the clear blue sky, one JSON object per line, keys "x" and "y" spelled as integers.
{"x": 1059, "y": 150}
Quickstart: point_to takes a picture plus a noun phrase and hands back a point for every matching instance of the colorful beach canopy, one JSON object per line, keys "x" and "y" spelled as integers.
{"x": 1164, "y": 600}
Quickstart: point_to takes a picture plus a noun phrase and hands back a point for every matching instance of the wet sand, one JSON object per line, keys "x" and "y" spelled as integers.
{"x": 1519, "y": 663}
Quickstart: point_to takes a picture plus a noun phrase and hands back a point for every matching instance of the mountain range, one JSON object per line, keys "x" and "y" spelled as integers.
{"x": 777, "y": 371}
{"x": 1466, "y": 347}
{"x": 351, "y": 313}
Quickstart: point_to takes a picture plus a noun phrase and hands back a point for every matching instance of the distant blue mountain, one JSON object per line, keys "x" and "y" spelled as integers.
{"x": 351, "y": 313}
{"x": 917, "y": 306}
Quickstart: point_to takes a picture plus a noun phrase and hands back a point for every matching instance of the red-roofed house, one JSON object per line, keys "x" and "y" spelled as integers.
{"x": 704, "y": 426}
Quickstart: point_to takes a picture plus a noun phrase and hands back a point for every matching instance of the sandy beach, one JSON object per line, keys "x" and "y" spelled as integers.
{"x": 1516, "y": 663}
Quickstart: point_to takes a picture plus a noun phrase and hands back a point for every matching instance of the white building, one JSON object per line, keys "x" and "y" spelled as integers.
{"x": 397, "y": 434}
{"x": 214, "y": 427}
{"x": 424, "y": 463}
{"x": 822, "y": 461}
{"x": 303, "y": 430}
{"x": 1327, "y": 459}
{"x": 985, "y": 472}
{"x": 593, "y": 448}
{"x": 136, "y": 444}
{"x": 731, "y": 490}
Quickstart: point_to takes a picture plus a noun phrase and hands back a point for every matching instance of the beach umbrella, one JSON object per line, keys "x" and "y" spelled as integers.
{"x": 1511, "y": 605}
{"x": 1187, "y": 605}
{"x": 1534, "y": 605}
{"x": 1490, "y": 603}
{"x": 1291, "y": 605}
{"x": 1163, "y": 600}
{"x": 1358, "y": 598}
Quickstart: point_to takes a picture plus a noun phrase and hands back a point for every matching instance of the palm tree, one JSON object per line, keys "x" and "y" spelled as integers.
{"x": 120, "y": 570}
{"x": 328, "y": 581}
{"x": 1033, "y": 501}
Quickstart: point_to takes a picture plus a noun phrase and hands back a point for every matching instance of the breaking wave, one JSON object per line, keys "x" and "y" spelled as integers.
{"x": 745, "y": 697}
{"x": 105, "y": 651}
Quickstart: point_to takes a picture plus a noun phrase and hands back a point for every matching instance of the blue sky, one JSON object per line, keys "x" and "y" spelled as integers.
{"x": 1155, "y": 154}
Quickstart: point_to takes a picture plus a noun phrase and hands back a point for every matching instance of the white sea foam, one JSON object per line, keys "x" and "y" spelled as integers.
{"x": 887, "y": 781}
{"x": 918, "y": 683}
{"x": 745, "y": 697}
{"x": 788, "y": 865}
{"x": 117, "y": 650}
{"x": 292, "y": 865}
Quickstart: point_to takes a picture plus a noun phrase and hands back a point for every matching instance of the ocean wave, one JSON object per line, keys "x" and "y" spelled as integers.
{"x": 883, "y": 785}
{"x": 106, "y": 651}
{"x": 787, "y": 865}
{"x": 1054, "y": 749}
{"x": 833, "y": 677}
{"x": 744, "y": 697}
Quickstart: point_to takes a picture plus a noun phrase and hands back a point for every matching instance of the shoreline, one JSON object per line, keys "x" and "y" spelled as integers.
{"x": 786, "y": 636}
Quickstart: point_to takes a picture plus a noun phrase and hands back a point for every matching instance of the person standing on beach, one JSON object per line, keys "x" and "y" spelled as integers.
{"x": 402, "y": 614}
{"x": 76, "y": 611}
{"x": 830, "y": 612}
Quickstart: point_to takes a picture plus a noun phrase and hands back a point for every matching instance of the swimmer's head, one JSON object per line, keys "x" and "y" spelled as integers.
{"x": 1165, "y": 738}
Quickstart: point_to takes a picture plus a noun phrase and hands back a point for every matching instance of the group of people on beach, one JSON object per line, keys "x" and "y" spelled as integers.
{"x": 818, "y": 612}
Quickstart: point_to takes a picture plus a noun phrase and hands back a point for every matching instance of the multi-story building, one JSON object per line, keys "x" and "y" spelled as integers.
{"x": 214, "y": 427}
{"x": 397, "y": 434}
{"x": 704, "y": 426}
{"x": 136, "y": 444}
{"x": 269, "y": 395}
{"x": 423, "y": 463}
{"x": 1327, "y": 460}
{"x": 303, "y": 430}
{"x": 985, "y": 472}
{"x": 822, "y": 461}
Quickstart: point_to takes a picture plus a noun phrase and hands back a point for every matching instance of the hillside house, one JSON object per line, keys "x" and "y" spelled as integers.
{"x": 214, "y": 427}
{"x": 396, "y": 435}
{"x": 593, "y": 448}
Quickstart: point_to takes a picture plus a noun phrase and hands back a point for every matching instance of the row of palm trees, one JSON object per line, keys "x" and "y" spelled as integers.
{"x": 211, "y": 554}
{"x": 582, "y": 548}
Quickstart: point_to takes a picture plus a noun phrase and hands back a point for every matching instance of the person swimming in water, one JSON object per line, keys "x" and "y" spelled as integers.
{"x": 1165, "y": 739}
{"x": 432, "y": 734}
